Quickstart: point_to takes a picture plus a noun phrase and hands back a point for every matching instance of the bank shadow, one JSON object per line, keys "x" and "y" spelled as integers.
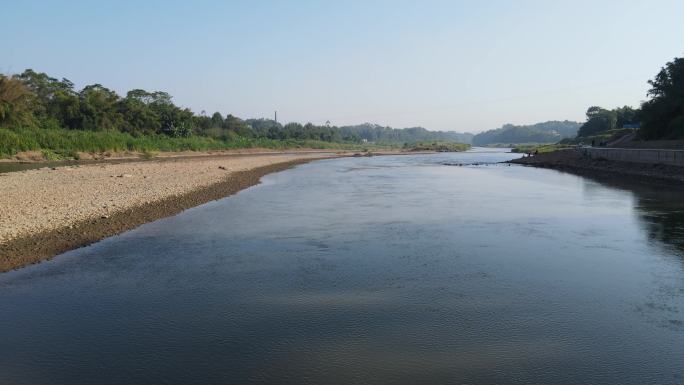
{"x": 659, "y": 209}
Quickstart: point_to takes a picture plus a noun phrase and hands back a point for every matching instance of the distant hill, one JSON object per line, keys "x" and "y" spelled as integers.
{"x": 546, "y": 132}
{"x": 376, "y": 133}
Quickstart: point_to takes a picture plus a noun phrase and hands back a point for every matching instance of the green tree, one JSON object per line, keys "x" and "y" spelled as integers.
{"x": 266, "y": 128}
{"x": 99, "y": 108}
{"x": 139, "y": 117}
{"x": 663, "y": 115}
{"x": 598, "y": 119}
{"x": 175, "y": 121}
{"x": 65, "y": 110}
{"x": 237, "y": 126}
{"x": 15, "y": 103}
{"x": 626, "y": 115}
{"x": 217, "y": 120}
{"x": 155, "y": 112}
{"x": 55, "y": 100}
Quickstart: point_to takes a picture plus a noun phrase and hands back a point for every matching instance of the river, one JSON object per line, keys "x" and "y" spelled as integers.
{"x": 421, "y": 269}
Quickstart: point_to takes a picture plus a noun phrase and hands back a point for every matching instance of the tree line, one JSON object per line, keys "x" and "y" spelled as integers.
{"x": 546, "y": 132}
{"x": 600, "y": 119}
{"x": 660, "y": 117}
{"x": 36, "y": 100}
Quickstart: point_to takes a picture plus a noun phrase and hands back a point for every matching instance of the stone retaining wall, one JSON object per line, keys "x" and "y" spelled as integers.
{"x": 671, "y": 157}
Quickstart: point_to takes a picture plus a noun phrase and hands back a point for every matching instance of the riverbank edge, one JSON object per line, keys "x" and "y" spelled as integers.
{"x": 37, "y": 157}
{"x": 572, "y": 162}
{"x": 34, "y": 248}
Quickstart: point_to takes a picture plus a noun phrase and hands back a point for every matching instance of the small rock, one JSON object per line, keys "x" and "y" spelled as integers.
{"x": 222, "y": 168}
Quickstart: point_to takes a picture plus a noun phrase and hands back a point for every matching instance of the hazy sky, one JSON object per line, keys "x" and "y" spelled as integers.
{"x": 447, "y": 65}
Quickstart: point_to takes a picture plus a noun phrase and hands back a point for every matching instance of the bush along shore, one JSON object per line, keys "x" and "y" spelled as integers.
{"x": 437, "y": 146}
{"x": 57, "y": 144}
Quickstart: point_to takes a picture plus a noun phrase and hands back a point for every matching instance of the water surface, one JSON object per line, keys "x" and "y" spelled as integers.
{"x": 386, "y": 270}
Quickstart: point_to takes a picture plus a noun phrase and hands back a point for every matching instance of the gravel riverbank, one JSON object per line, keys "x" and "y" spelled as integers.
{"x": 48, "y": 211}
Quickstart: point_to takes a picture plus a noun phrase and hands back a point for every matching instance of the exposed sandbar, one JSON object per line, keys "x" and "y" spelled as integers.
{"x": 45, "y": 212}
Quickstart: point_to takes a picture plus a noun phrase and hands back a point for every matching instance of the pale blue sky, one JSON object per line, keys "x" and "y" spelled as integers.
{"x": 447, "y": 65}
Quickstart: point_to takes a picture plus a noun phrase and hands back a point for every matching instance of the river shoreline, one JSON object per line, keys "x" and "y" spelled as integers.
{"x": 37, "y": 242}
{"x": 50, "y": 209}
{"x": 572, "y": 161}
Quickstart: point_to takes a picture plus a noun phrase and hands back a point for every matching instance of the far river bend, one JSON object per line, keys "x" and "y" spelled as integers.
{"x": 420, "y": 269}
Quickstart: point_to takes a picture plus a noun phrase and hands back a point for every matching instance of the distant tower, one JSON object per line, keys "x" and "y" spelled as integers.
{"x": 276, "y": 116}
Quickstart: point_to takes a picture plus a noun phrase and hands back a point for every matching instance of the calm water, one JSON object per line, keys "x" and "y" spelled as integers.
{"x": 384, "y": 270}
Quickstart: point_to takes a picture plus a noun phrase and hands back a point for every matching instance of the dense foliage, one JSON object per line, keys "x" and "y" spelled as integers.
{"x": 599, "y": 120}
{"x": 662, "y": 117}
{"x": 61, "y": 143}
{"x": 376, "y": 133}
{"x": 439, "y": 146}
{"x": 51, "y": 103}
{"x": 547, "y": 132}
{"x": 38, "y": 102}
{"x": 539, "y": 148}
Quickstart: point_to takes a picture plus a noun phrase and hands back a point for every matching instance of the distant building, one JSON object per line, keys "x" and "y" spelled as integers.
{"x": 364, "y": 140}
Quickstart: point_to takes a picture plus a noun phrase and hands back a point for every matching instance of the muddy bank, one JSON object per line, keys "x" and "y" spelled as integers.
{"x": 28, "y": 249}
{"x": 574, "y": 162}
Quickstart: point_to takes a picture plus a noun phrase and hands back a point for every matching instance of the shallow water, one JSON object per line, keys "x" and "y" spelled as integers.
{"x": 383, "y": 270}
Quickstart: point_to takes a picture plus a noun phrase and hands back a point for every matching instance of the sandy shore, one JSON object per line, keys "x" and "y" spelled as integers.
{"x": 572, "y": 161}
{"x": 48, "y": 211}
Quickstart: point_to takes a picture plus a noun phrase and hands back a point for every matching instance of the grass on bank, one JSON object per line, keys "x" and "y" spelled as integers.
{"x": 439, "y": 146}
{"x": 540, "y": 148}
{"x": 62, "y": 143}
{"x": 603, "y": 136}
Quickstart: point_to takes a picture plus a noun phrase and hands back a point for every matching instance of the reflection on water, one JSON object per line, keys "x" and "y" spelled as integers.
{"x": 659, "y": 208}
{"x": 662, "y": 214}
{"x": 384, "y": 270}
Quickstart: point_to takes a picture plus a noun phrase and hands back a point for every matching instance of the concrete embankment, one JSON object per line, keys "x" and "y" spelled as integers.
{"x": 594, "y": 162}
{"x": 634, "y": 155}
{"x": 48, "y": 211}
